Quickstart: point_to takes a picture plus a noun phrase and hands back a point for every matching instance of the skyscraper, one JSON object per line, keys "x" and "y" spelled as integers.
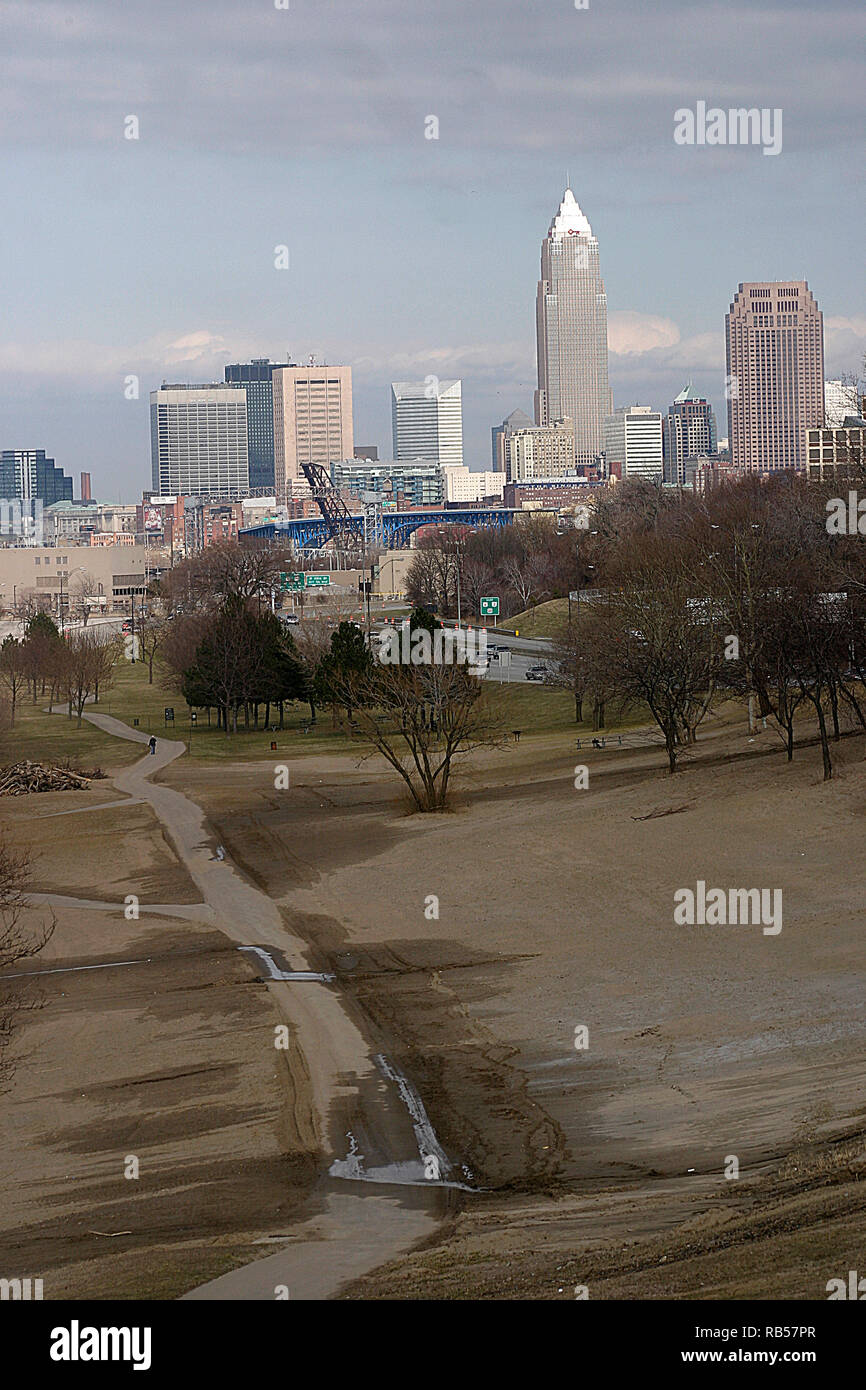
{"x": 775, "y": 355}
{"x": 571, "y": 329}
{"x": 198, "y": 440}
{"x": 633, "y": 443}
{"x": 540, "y": 451}
{"x": 312, "y": 419}
{"x": 517, "y": 420}
{"x": 26, "y": 474}
{"x": 255, "y": 377}
{"x": 689, "y": 431}
{"x": 427, "y": 420}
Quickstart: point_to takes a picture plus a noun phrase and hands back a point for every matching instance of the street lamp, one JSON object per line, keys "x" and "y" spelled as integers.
{"x": 579, "y": 579}
{"x": 64, "y": 574}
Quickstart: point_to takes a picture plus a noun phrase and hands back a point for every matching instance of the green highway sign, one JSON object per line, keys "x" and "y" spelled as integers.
{"x": 490, "y": 608}
{"x": 298, "y": 580}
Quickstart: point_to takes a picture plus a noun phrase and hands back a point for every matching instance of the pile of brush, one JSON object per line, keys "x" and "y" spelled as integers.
{"x": 19, "y": 779}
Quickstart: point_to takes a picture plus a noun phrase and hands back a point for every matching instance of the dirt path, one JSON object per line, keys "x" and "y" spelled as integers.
{"x": 363, "y": 1226}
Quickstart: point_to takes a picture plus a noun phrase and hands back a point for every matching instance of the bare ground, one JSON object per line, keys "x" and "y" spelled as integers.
{"x": 601, "y": 1167}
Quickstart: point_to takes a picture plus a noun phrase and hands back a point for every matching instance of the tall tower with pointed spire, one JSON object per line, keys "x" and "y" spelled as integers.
{"x": 571, "y": 329}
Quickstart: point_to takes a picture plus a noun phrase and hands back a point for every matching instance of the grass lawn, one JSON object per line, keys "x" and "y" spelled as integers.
{"x": 539, "y": 709}
{"x": 543, "y": 621}
{"x": 533, "y": 709}
{"x": 52, "y": 738}
{"x": 131, "y": 698}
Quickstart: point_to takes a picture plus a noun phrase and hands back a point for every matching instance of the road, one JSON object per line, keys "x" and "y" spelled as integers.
{"x": 521, "y": 653}
{"x": 369, "y": 1215}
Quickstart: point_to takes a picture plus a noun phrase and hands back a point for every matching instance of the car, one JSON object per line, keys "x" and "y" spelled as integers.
{"x": 291, "y": 619}
{"x": 536, "y": 673}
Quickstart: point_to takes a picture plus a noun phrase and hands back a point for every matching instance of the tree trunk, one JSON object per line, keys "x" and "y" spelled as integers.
{"x": 671, "y": 745}
{"x": 578, "y": 709}
{"x": 825, "y": 744}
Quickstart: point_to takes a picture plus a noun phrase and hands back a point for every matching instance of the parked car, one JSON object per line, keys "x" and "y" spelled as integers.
{"x": 536, "y": 673}
{"x": 291, "y": 619}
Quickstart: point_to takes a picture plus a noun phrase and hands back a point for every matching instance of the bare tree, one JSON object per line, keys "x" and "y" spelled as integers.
{"x": 83, "y": 588}
{"x": 17, "y": 942}
{"x": 571, "y": 665}
{"x": 151, "y": 632}
{"x": 520, "y": 575}
{"x": 13, "y": 671}
{"x": 653, "y": 643}
{"x": 421, "y": 718}
{"x": 223, "y": 572}
{"x": 88, "y": 664}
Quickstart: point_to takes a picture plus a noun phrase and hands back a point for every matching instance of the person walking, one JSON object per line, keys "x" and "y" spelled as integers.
{"x": 152, "y": 744}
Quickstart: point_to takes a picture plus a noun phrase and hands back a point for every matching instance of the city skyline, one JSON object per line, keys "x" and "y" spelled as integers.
{"x": 437, "y": 275}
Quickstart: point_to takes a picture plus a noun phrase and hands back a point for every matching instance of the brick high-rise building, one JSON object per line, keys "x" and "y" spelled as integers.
{"x": 517, "y": 420}
{"x": 775, "y": 356}
{"x": 312, "y": 419}
{"x": 540, "y": 451}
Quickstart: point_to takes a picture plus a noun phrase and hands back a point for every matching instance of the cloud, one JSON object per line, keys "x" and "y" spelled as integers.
{"x": 844, "y": 345}
{"x": 630, "y": 333}
{"x": 91, "y": 364}
{"x": 501, "y": 74}
{"x": 481, "y": 359}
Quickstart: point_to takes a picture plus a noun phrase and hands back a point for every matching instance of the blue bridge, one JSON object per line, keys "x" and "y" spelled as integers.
{"x": 311, "y": 532}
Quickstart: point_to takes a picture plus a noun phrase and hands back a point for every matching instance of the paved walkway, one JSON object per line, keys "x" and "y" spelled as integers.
{"x": 363, "y": 1226}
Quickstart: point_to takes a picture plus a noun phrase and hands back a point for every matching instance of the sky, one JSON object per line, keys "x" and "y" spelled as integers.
{"x": 304, "y": 126}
